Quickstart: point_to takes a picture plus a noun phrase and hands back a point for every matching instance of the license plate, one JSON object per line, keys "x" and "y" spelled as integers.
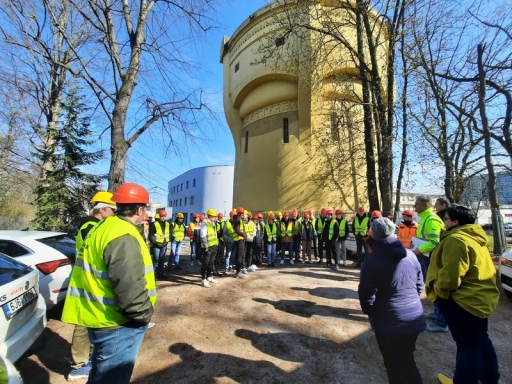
{"x": 13, "y": 306}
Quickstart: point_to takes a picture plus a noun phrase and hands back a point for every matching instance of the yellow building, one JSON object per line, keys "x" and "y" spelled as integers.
{"x": 293, "y": 104}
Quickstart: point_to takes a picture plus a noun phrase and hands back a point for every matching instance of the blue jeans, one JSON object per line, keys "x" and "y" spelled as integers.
{"x": 440, "y": 320}
{"x": 476, "y": 358}
{"x": 229, "y": 249}
{"x": 175, "y": 251}
{"x": 114, "y": 354}
{"x": 286, "y": 247}
{"x": 424, "y": 263}
{"x": 159, "y": 258}
{"x": 271, "y": 253}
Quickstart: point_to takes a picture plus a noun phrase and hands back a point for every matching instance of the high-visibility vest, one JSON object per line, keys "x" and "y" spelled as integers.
{"x": 342, "y": 227}
{"x": 178, "y": 231}
{"x": 286, "y": 230}
{"x": 229, "y": 231}
{"x": 90, "y": 300}
{"x": 211, "y": 235}
{"x": 79, "y": 242}
{"x": 331, "y": 228}
{"x": 162, "y": 237}
{"x": 271, "y": 233}
{"x": 236, "y": 236}
{"x": 219, "y": 227}
{"x": 249, "y": 228}
{"x": 320, "y": 226}
{"x": 360, "y": 227}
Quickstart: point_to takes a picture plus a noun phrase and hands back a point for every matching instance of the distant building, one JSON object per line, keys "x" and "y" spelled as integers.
{"x": 199, "y": 189}
{"x": 476, "y": 189}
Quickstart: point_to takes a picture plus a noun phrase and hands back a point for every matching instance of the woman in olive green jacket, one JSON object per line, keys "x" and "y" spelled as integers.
{"x": 461, "y": 279}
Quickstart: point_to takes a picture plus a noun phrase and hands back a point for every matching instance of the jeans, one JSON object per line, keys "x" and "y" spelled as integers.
{"x": 341, "y": 251}
{"x": 424, "y": 263}
{"x": 175, "y": 251}
{"x": 271, "y": 253}
{"x": 398, "y": 354}
{"x": 229, "y": 251}
{"x": 159, "y": 258}
{"x": 360, "y": 244}
{"x": 114, "y": 354}
{"x": 306, "y": 250}
{"x": 286, "y": 247}
{"x": 440, "y": 320}
{"x": 476, "y": 358}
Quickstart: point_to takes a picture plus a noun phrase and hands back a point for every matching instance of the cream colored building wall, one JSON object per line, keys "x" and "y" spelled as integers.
{"x": 270, "y": 174}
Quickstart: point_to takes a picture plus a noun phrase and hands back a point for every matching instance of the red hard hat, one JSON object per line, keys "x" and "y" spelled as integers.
{"x": 324, "y": 210}
{"x": 130, "y": 193}
{"x": 271, "y": 217}
{"x": 408, "y": 212}
{"x": 162, "y": 213}
{"x": 310, "y": 212}
{"x": 329, "y": 212}
{"x": 196, "y": 215}
{"x": 338, "y": 212}
{"x": 376, "y": 214}
{"x": 232, "y": 213}
{"x": 306, "y": 215}
{"x": 260, "y": 215}
{"x": 360, "y": 209}
{"x": 286, "y": 214}
{"x": 220, "y": 215}
{"x": 201, "y": 217}
{"x": 240, "y": 210}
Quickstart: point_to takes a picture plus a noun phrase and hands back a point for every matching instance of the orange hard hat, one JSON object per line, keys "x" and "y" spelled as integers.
{"x": 260, "y": 215}
{"x": 201, "y": 217}
{"x": 376, "y": 214}
{"x": 324, "y": 210}
{"x": 255, "y": 217}
{"x": 220, "y": 215}
{"x": 196, "y": 215}
{"x": 360, "y": 209}
{"x": 240, "y": 210}
{"x": 271, "y": 217}
{"x": 146, "y": 217}
{"x": 131, "y": 193}
{"x": 286, "y": 214}
{"x": 338, "y": 212}
{"x": 310, "y": 212}
{"x": 408, "y": 212}
{"x": 306, "y": 215}
{"x": 162, "y": 213}
{"x": 329, "y": 212}
{"x": 232, "y": 213}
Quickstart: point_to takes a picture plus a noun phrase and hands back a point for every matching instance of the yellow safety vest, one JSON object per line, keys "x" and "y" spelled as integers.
{"x": 271, "y": 234}
{"x": 342, "y": 227}
{"x": 320, "y": 225}
{"x": 162, "y": 237}
{"x": 331, "y": 228}
{"x": 361, "y": 227}
{"x": 178, "y": 231}
{"x": 90, "y": 300}
{"x": 236, "y": 236}
{"x": 219, "y": 226}
{"x": 287, "y": 230}
{"x": 230, "y": 231}
{"x": 79, "y": 242}
{"x": 211, "y": 235}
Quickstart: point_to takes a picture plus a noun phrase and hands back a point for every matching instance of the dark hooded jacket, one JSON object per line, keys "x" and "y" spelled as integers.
{"x": 390, "y": 287}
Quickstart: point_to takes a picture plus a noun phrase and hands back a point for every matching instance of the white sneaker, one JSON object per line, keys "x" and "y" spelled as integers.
{"x": 205, "y": 283}
{"x": 151, "y": 325}
{"x": 251, "y": 269}
{"x": 191, "y": 263}
{"x": 212, "y": 280}
{"x": 244, "y": 271}
{"x": 292, "y": 262}
{"x": 345, "y": 264}
{"x": 281, "y": 262}
{"x": 310, "y": 262}
{"x": 254, "y": 267}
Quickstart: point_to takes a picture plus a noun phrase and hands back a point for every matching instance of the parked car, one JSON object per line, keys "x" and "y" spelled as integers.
{"x": 508, "y": 225}
{"x": 8, "y": 372}
{"x": 51, "y": 253}
{"x": 505, "y": 272}
{"x": 24, "y": 311}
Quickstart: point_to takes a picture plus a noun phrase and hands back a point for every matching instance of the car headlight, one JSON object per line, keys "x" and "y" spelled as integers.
{"x": 506, "y": 261}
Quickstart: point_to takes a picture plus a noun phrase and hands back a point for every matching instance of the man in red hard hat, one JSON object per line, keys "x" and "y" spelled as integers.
{"x": 407, "y": 229}
{"x": 360, "y": 227}
{"x": 319, "y": 226}
{"x": 115, "y": 302}
{"x": 159, "y": 236}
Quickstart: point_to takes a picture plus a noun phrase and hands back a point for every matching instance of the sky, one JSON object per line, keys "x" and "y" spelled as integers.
{"x": 150, "y": 163}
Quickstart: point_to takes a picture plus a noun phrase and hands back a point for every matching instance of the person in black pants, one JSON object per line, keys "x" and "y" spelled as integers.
{"x": 239, "y": 242}
{"x": 330, "y": 233}
{"x": 319, "y": 225}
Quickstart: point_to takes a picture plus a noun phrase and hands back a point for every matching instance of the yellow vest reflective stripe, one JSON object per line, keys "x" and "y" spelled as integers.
{"x": 236, "y": 236}
{"x": 287, "y": 230}
{"x": 320, "y": 227}
{"x": 79, "y": 242}
{"x": 271, "y": 234}
{"x": 159, "y": 235}
{"x": 211, "y": 234}
{"x": 90, "y": 300}
{"x": 331, "y": 229}
{"x": 342, "y": 227}
{"x": 178, "y": 231}
{"x": 361, "y": 227}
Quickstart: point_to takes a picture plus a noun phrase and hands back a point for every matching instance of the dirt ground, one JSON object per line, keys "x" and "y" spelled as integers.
{"x": 288, "y": 324}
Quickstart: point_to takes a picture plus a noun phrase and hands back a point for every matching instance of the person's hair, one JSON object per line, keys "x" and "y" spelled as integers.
{"x": 462, "y": 214}
{"x": 443, "y": 201}
{"x": 424, "y": 199}
{"x": 96, "y": 211}
{"x": 128, "y": 210}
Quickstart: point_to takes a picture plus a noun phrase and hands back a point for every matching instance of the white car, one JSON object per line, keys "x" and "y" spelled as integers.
{"x": 505, "y": 272}
{"x": 24, "y": 311}
{"x": 8, "y": 372}
{"x": 51, "y": 253}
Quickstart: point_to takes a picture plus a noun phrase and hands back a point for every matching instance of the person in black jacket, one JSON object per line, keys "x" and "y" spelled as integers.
{"x": 341, "y": 249}
{"x": 330, "y": 233}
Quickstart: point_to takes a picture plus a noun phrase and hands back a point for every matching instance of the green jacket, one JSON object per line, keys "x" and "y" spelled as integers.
{"x": 461, "y": 268}
{"x": 429, "y": 229}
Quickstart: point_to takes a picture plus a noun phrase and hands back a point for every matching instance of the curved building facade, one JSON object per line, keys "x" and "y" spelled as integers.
{"x": 293, "y": 105}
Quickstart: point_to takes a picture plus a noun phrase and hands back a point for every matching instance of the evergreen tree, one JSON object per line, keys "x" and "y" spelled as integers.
{"x": 63, "y": 191}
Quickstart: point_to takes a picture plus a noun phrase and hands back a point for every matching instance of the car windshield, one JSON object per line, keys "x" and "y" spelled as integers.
{"x": 61, "y": 243}
{"x": 11, "y": 269}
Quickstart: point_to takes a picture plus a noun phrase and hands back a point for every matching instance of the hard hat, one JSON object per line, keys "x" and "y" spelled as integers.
{"x": 310, "y": 212}
{"x": 232, "y": 213}
{"x": 329, "y": 212}
{"x": 295, "y": 212}
{"x": 157, "y": 216}
{"x": 103, "y": 197}
{"x": 306, "y": 215}
{"x": 201, "y": 217}
{"x": 220, "y": 215}
{"x": 279, "y": 213}
{"x": 196, "y": 215}
{"x": 240, "y": 210}
{"x": 211, "y": 212}
{"x": 376, "y": 214}
{"x": 130, "y": 193}
{"x": 270, "y": 213}
{"x": 162, "y": 213}
{"x": 408, "y": 212}
{"x": 324, "y": 210}
{"x": 255, "y": 217}
{"x": 260, "y": 215}
{"x": 179, "y": 215}
{"x": 146, "y": 217}
{"x": 360, "y": 209}
{"x": 286, "y": 214}
{"x": 271, "y": 217}
{"x": 338, "y": 212}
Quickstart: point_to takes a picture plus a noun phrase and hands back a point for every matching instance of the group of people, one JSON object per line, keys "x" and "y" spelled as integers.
{"x": 445, "y": 253}
{"x": 112, "y": 291}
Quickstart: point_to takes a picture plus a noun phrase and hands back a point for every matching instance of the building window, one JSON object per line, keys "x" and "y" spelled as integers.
{"x": 185, "y": 201}
{"x": 335, "y": 127}
{"x": 171, "y": 204}
{"x": 237, "y": 67}
{"x": 194, "y": 183}
{"x": 246, "y": 141}
{"x": 187, "y": 184}
{"x": 191, "y": 200}
{"x": 280, "y": 41}
{"x": 180, "y": 202}
{"x": 286, "y": 131}
{"x": 182, "y": 186}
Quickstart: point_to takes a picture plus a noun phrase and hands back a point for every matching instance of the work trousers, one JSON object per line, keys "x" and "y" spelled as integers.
{"x": 81, "y": 347}
{"x": 208, "y": 260}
